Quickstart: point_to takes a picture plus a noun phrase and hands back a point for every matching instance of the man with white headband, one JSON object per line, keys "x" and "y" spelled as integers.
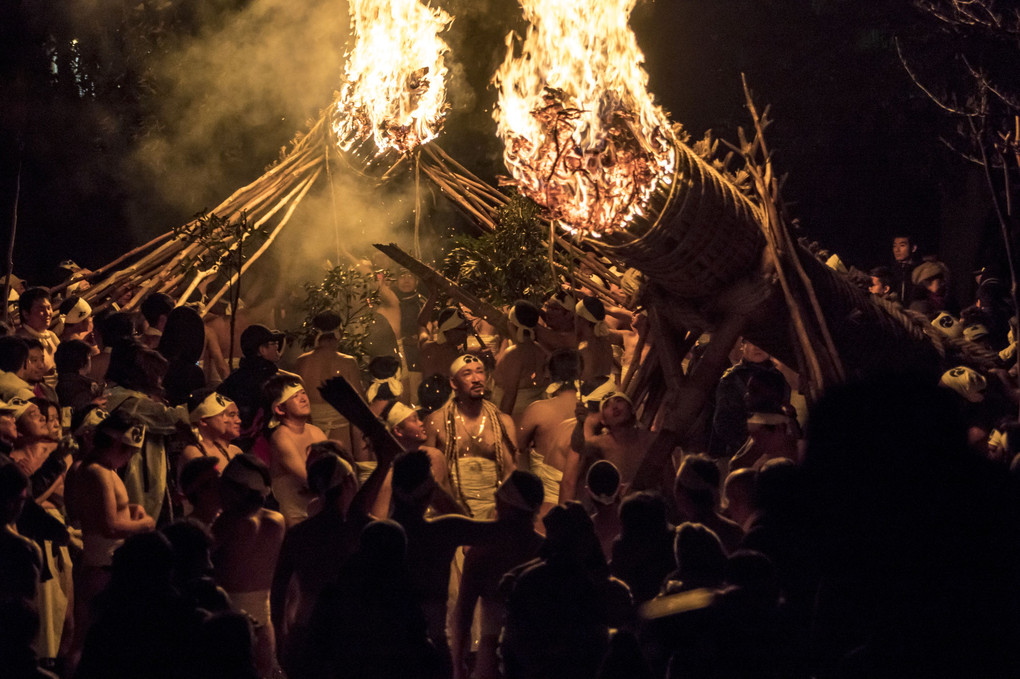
{"x": 76, "y": 316}
{"x": 217, "y": 421}
{"x": 613, "y": 434}
{"x": 546, "y": 425}
{"x": 520, "y": 371}
{"x": 594, "y": 339}
{"x": 477, "y": 440}
{"x": 409, "y": 431}
{"x": 292, "y": 433}
{"x": 449, "y": 342}
{"x": 321, "y": 363}
{"x": 100, "y": 500}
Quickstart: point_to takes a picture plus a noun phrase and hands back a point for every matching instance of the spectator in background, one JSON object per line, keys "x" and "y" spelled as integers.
{"x": 882, "y": 284}
{"x": 36, "y": 312}
{"x": 75, "y": 389}
{"x": 904, "y": 260}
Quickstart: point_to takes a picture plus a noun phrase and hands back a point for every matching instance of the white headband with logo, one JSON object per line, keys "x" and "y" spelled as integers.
{"x": 461, "y": 362}
{"x": 213, "y": 404}
{"x": 78, "y": 313}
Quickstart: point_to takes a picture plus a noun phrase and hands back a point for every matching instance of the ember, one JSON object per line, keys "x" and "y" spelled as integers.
{"x": 394, "y": 91}
{"x": 582, "y": 135}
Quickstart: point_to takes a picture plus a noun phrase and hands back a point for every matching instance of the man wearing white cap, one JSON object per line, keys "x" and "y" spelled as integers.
{"x": 217, "y": 421}
{"x": 558, "y": 315}
{"x": 610, "y": 434}
{"x": 292, "y": 433}
{"x": 478, "y": 441}
{"x": 76, "y": 315}
{"x": 409, "y": 431}
{"x": 100, "y": 501}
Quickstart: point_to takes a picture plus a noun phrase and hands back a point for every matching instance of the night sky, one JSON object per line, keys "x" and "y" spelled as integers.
{"x": 859, "y": 141}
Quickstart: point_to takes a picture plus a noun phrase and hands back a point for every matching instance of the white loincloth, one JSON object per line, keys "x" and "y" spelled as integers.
{"x": 478, "y": 482}
{"x": 551, "y": 477}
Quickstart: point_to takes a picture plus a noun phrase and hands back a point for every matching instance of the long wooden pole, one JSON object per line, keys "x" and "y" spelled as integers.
{"x": 14, "y": 230}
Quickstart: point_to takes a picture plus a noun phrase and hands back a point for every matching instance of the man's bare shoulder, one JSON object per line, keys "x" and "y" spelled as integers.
{"x": 271, "y": 520}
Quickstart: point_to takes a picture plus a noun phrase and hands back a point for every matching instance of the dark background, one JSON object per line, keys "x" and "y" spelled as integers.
{"x": 111, "y": 154}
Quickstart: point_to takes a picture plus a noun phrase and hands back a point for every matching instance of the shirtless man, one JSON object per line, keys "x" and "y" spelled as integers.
{"x": 450, "y": 341}
{"x": 477, "y": 440}
{"x": 545, "y": 427}
{"x": 247, "y": 540}
{"x": 623, "y": 443}
{"x": 520, "y": 370}
{"x": 218, "y": 422}
{"x": 558, "y": 314}
{"x": 101, "y": 503}
{"x": 409, "y": 431}
{"x": 289, "y": 444}
{"x": 322, "y": 363}
{"x": 595, "y": 339}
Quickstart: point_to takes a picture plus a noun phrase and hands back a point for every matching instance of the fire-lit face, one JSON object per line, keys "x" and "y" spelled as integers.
{"x": 616, "y": 412}
{"x": 297, "y": 405}
{"x": 33, "y": 424}
{"x": 35, "y": 368}
{"x": 901, "y": 249}
{"x": 38, "y": 317}
{"x": 270, "y": 351}
{"x": 53, "y": 422}
{"x": 226, "y": 426}
{"x": 877, "y": 287}
{"x": 411, "y": 429}
{"x": 406, "y": 281}
{"x": 469, "y": 382}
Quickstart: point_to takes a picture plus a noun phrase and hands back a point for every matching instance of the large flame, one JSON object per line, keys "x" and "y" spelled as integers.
{"x": 582, "y": 135}
{"x": 395, "y": 77}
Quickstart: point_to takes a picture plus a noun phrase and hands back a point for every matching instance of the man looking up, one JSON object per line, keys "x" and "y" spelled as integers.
{"x": 218, "y": 422}
{"x": 477, "y": 440}
{"x": 292, "y": 433}
{"x": 611, "y": 434}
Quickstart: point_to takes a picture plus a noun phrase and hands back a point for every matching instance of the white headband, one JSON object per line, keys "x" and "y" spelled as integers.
{"x": 461, "y": 362}
{"x": 601, "y": 328}
{"x": 398, "y": 413}
{"x": 290, "y": 390}
{"x": 213, "y": 404}
{"x": 78, "y": 313}
{"x": 395, "y": 385}
{"x": 521, "y": 332}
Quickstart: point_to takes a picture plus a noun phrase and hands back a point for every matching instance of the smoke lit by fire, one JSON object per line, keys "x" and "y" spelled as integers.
{"x": 394, "y": 86}
{"x": 582, "y": 135}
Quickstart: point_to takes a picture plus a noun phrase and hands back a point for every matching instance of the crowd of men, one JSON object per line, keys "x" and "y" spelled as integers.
{"x": 457, "y": 503}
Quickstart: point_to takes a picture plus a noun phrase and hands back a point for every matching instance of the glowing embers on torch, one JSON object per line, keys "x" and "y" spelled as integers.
{"x": 394, "y": 82}
{"x": 582, "y": 136}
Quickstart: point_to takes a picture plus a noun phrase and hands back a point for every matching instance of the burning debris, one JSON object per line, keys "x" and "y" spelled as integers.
{"x": 582, "y": 135}
{"x": 395, "y": 89}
